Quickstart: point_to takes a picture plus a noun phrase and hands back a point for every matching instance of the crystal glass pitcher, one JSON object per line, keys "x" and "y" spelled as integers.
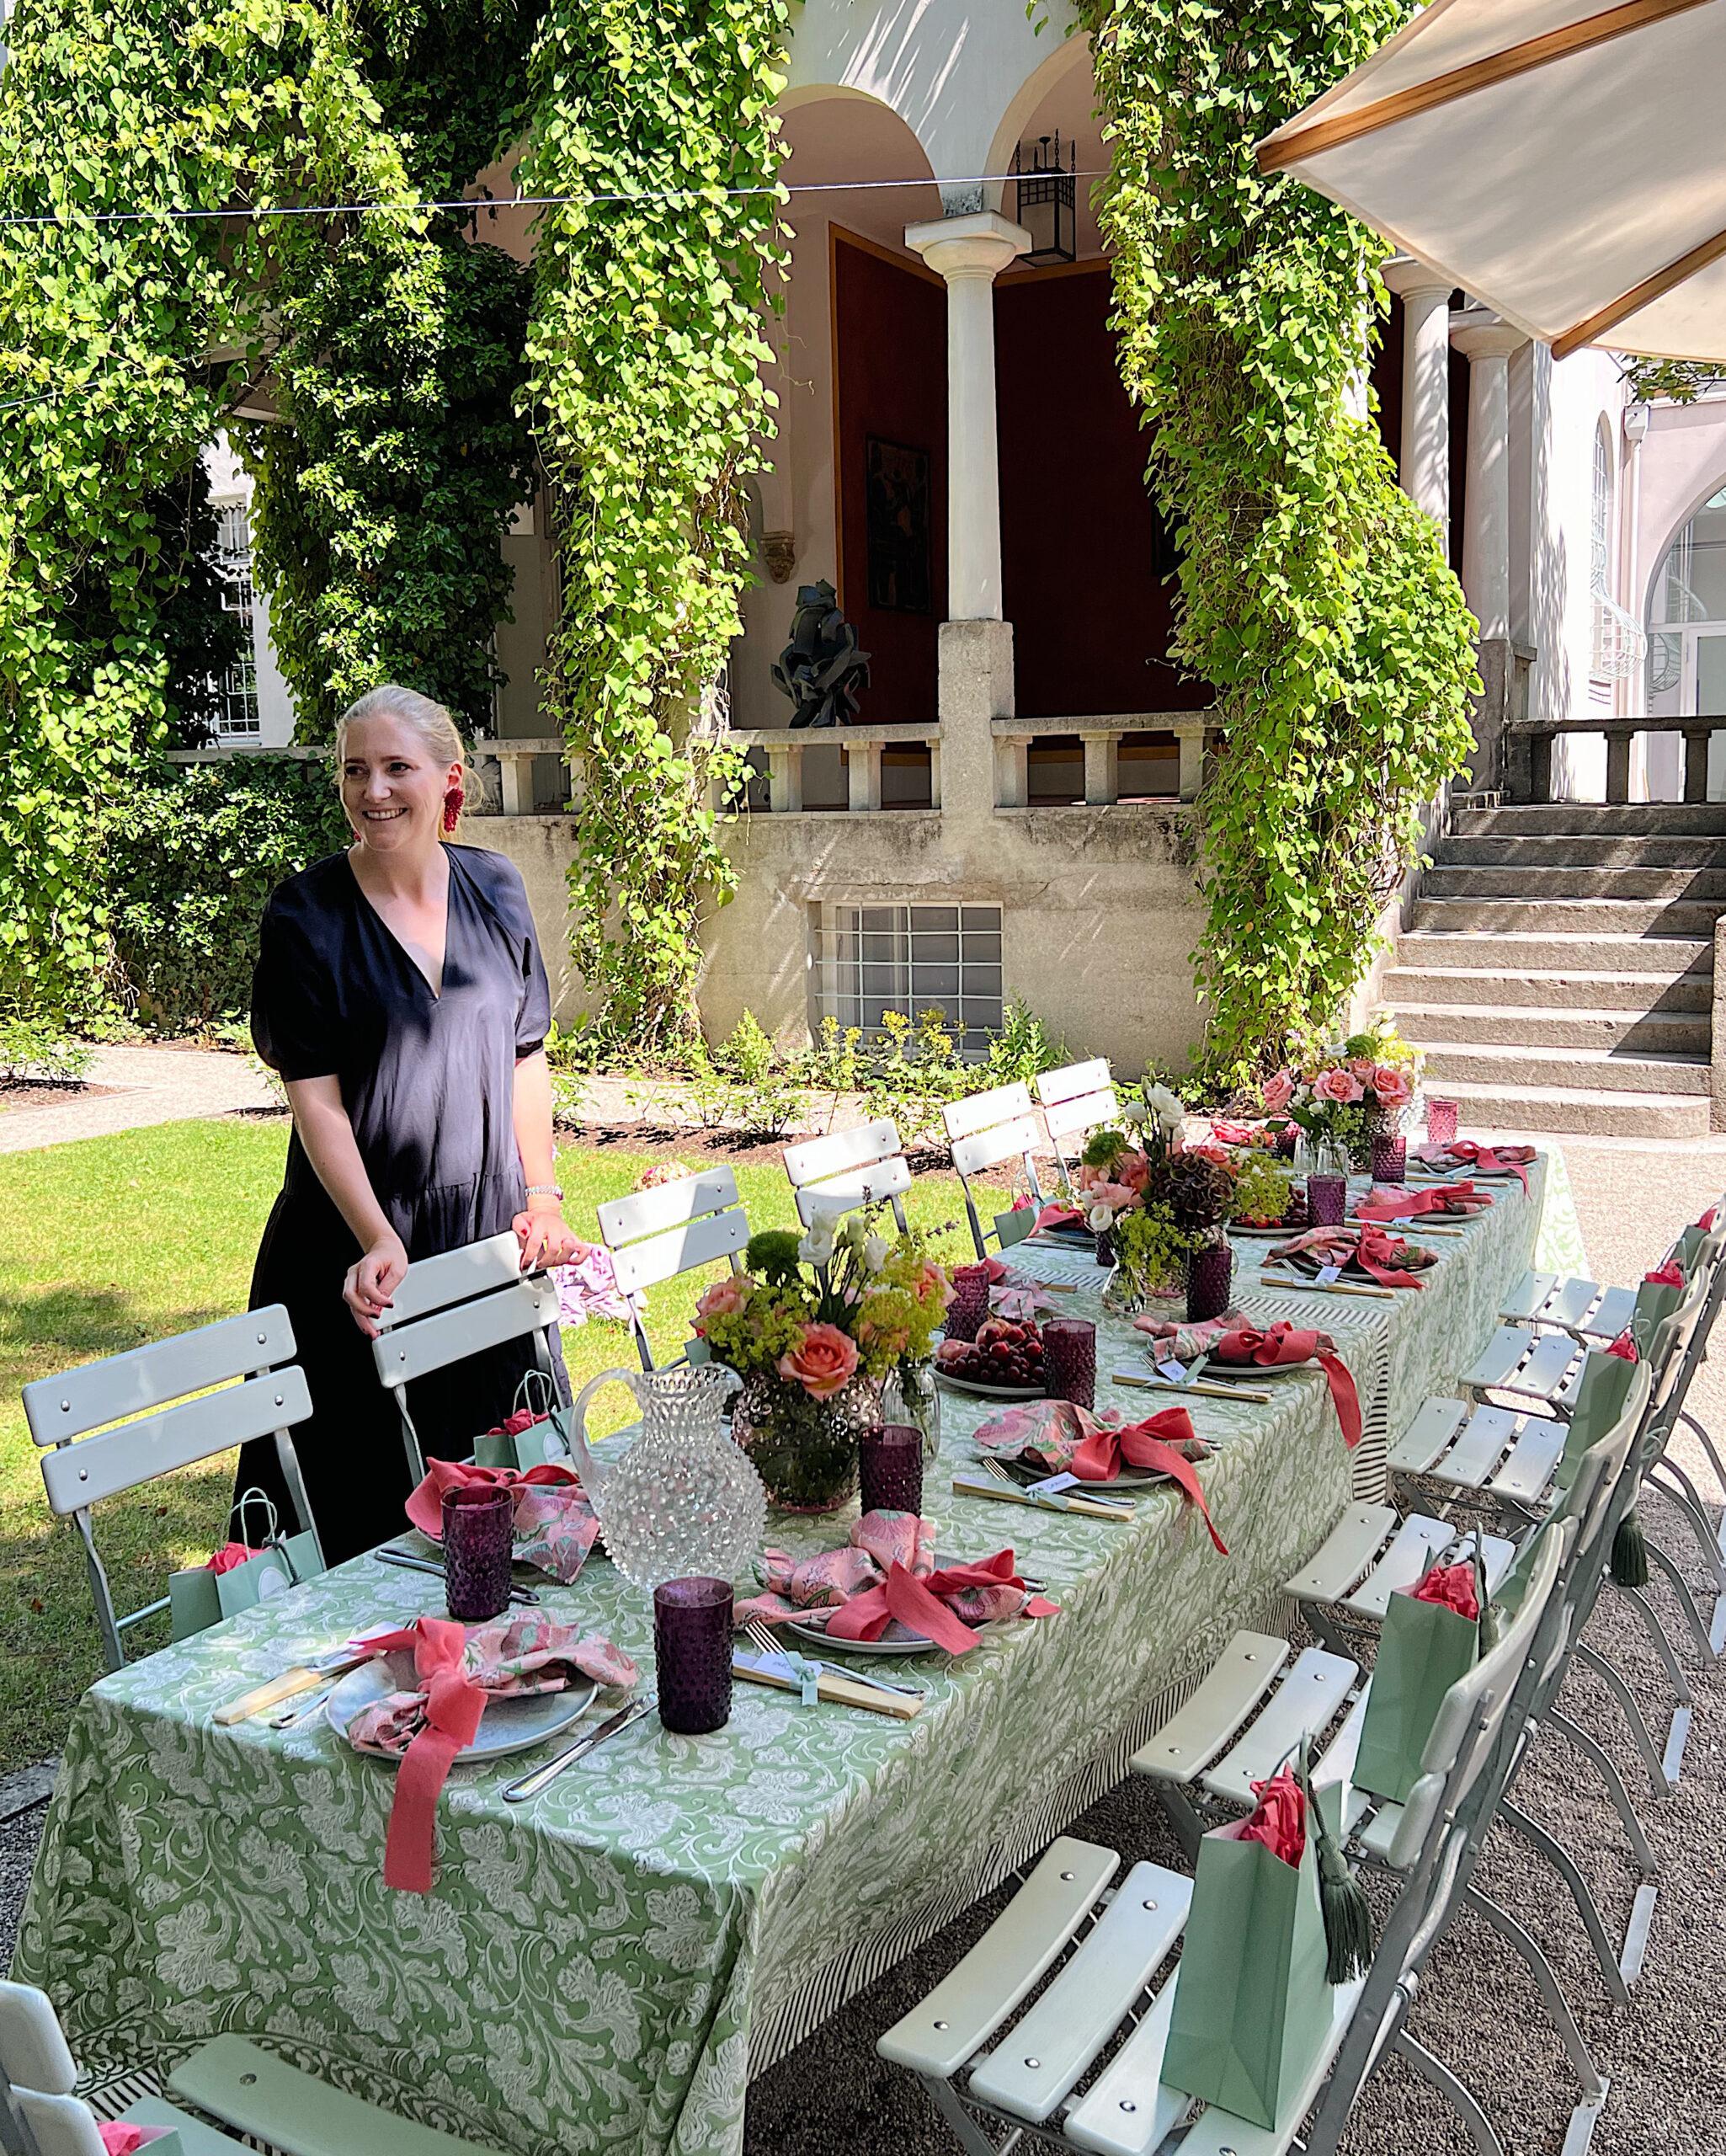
{"x": 683, "y": 1500}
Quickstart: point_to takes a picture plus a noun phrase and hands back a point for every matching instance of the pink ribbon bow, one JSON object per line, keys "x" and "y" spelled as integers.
{"x": 931, "y": 1605}
{"x": 1461, "y": 1198}
{"x": 1452, "y": 1586}
{"x": 454, "y": 1703}
{"x": 1669, "y": 1275}
{"x": 1284, "y": 1343}
{"x": 1057, "y": 1435}
{"x": 556, "y": 1526}
{"x": 1385, "y": 1258}
{"x": 1493, "y": 1161}
{"x": 1060, "y": 1216}
{"x": 1279, "y": 1818}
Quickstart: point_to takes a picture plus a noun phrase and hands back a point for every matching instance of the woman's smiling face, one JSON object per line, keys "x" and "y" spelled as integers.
{"x": 393, "y": 789}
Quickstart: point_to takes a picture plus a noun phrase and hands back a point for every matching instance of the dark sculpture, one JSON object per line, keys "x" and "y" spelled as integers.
{"x": 821, "y": 670}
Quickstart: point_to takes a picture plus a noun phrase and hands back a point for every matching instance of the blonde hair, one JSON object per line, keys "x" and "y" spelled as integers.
{"x": 430, "y": 721}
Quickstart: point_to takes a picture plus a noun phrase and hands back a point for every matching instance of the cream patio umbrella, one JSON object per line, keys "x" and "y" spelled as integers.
{"x": 1563, "y": 162}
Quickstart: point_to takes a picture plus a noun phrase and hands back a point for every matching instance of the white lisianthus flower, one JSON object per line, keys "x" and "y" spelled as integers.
{"x": 875, "y": 1252}
{"x": 817, "y": 1247}
{"x": 1099, "y": 1219}
{"x": 1166, "y": 1107}
{"x": 855, "y": 1232}
{"x": 1135, "y": 1112}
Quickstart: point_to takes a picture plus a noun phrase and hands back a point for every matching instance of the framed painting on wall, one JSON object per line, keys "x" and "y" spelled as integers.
{"x": 901, "y": 574}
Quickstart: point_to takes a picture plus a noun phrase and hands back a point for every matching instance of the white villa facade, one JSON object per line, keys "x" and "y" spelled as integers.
{"x": 1011, "y": 816}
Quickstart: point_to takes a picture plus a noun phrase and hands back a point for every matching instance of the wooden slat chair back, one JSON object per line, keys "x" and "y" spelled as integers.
{"x": 110, "y": 1425}
{"x": 1075, "y": 1099}
{"x": 256, "y": 2094}
{"x": 847, "y": 1169}
{"x": 675, "y": 1228}
{"x": 457, "y": 1305}
{"x": 985, "y": 1129}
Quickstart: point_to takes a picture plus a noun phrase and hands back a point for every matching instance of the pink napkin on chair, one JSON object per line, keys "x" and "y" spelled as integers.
{"x": 555, "y": 1527}
{"x": 458, "y": 1673}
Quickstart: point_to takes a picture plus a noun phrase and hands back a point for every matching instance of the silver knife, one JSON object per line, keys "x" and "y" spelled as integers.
{"x": 542, "y": 1777}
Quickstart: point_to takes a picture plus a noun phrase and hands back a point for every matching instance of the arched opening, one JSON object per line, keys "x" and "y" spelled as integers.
{"x": 1686, "y": 638}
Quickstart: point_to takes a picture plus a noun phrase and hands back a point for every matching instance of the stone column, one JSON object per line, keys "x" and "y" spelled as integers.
{"x": 1488, "y": 344}
{"x": 1425, "y": 465}
{"x": 970, "y": 251}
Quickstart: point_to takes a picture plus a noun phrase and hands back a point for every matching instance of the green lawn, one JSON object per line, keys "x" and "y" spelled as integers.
{"x": 116, "y": 1240}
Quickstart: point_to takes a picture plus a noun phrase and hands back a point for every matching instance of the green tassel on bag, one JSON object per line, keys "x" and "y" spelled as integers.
{"x": 1342, "y": 1899}
{"x": 1488, "y": 1619}
{"x": 1630, "y": 1552}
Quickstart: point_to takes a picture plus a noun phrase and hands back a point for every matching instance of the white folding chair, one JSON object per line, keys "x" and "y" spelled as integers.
{"x": 656, "y": 1235}
{"x": 983, "y": 1130}
{"x": 848, "y": 1169}
{"x": 1075, "y": 1099}
{"x": 85, "y": 1460}
{"x": 41, "y": 2114}
{"x": 458, "y": 1304}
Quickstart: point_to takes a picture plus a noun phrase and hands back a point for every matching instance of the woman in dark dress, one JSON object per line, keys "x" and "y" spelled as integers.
{"x": 400, "y": 994}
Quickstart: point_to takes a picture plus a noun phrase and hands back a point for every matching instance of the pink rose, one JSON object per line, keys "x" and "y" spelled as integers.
{"x": 1339, "y": 1086}
{"x": 1132, "y": 1170}
{"x": 1362, "y": 1066}
{"x": 933, "y": 1284}
{"x": 1279, "y": 1091}
{"x": 1116, "y": 1196}
{"x": 1219, "y": 1155}
{"x": 726, "y": 1297}
{"x": 1392, "y": 1086}
{"x": 823, "y": 1362}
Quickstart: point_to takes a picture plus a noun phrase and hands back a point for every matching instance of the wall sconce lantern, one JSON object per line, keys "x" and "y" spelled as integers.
{"x": 1047, "y": 193}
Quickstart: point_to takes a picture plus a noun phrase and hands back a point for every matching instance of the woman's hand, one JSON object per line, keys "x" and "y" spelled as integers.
{"x": 372, "y": 1282}
{"x": 545, "y": 1236}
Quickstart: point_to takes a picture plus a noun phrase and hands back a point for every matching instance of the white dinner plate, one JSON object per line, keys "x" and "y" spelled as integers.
{"x": 1250, "y": 1373}
{"x": 897, "y": 1639}
{"x": 1129, "y": 1478}
{"x": 988, "y": 1392}
{"x": 507, "y": 1725}
{"x": 1267, "y": 1234}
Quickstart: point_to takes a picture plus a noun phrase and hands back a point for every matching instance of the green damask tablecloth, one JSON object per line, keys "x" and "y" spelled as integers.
{"x": 603, "y": 1968}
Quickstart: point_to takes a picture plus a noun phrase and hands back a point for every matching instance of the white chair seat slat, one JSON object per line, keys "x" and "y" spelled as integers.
{"x": 455, "y": 1276}
{"x": 641, "y": 1212}
{"x": 1335, "y": 1765}
{"x": 988, "y": 1149}
{"x": 143, "y": 1378}
{"x": 59, "y": 2125}
{"x": 1195, "y": 1733}
{"x": 1347, "y": 1552}
{"x": 1407, "y": 1556}
{"x": 1034, "y": 2065}
{"x": 258, "y": 2094}
{"x": 1073, "y": 1079}
{"x": 1309, "y": 1694}
{"x": 1217, "y": 2132}
{"x": 977, "y": 1995}
{"x": 1611, "y": 1315}
{"x": 876, "y": 1183}
{"x": 1432, "y": 1432}
{"x": 1551, "y": 1372}
{"x": 1499, "y": 1359}
{"x": 1528, "y": 1298}
{"x": 1480, "y": 1445}
{"x": 979, "y": 1111}
{"x": 33, "y": 2052}
{"x": 679, "y": 1249}
{"x": 1570, "y": 1302}
{"x": 816, "y": 1159}
{"x": 1528, "y": 1467}
{"x": 1126, "y": 2110}
{"x": 117, "y": 1459}
{"x": 406, "y": 1352}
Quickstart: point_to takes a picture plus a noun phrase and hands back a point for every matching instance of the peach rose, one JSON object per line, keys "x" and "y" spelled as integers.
{"x": 933, "y": 1285}
{"x": 1279, "y": 1091}
{"x": 1392, "y": 1086}
{"x": 1362, "y": 1067}
{"x": 726, "y": 1297}
{"x": 1134, "y": 1170}
{"x": 823, "y": 1362}
{"x": 1339, "y": 1086}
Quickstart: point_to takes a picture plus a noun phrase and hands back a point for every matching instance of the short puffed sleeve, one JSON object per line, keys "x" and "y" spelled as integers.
{"x": 294, "y": 1020}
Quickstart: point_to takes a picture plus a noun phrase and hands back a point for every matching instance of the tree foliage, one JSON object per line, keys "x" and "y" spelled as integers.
{"x": 1313, "y": 594}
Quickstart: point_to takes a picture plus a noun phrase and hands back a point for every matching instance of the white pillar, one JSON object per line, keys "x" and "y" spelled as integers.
{"x": 1424, "y": 464}
{"x": 1488, "y": 344}
{"x": 970, "y": 252}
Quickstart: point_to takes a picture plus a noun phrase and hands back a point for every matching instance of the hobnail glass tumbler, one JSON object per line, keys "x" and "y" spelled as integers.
{"x": 1441, "y": 1121}
{"x": 1070, "y": 1360}
{"x": 479, "y": 1539}
{"x": 970, "y": 1305}
{"x": 891, "y": 1465}
{"x": 1210, "y": 1273}
{"x": 1390, "y": 1160}
{"x": 1328, "y": 1199}
{"x": 692, "y": 1654}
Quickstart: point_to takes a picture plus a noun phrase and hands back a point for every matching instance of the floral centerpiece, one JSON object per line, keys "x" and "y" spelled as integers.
{"x": 1155, "y": 1201}
{"x": 1263, "y": 1191}
{"x": 1356, "y": 1091}
{"x": 815, "y": 1326}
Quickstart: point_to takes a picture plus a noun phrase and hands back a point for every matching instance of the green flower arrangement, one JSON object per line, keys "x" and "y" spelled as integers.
{"x": 1262, "y": 1188}
{"x": 1151, "y": 1250}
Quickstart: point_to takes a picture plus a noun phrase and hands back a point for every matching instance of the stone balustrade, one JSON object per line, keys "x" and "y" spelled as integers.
{"x": 864, "y": 747}
{"x": 1196, "y": 734}
{"x": 514, "y": 757}
{"x": 1528, "y": 774}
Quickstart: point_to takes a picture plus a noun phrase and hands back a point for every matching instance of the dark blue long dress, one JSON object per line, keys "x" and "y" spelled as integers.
{"x": 428, "y": 1082}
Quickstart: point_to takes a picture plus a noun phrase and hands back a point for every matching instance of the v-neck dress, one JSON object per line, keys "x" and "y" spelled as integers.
{"x": 427, "y": 1080}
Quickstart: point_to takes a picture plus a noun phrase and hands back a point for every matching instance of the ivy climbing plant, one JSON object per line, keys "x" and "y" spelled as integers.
{"x": 645, "y": 352}
{"x": 1313, "y": 596}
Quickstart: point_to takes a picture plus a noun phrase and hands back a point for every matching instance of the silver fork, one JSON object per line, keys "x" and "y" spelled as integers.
{"x": 761, "y": 1636}
{"x": 992, "y": 1466}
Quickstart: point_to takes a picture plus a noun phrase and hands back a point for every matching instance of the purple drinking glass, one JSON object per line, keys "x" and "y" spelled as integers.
{"x": 1210, "y": 1275}
{"x": 890, "y": 1459}
{"x": 1441, "y": 1121}
{"x": 479, "y": 1542}
{"x": 692, "y": 1621}
{"x": 970, "y": 1305}
{"x": 1328, "y": 1199}
{"x": 1070, "y": 1360}
{"x": 1390, "y": 1160}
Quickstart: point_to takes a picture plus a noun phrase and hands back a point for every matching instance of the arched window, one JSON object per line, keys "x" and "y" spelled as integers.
{"x": 1616, "y": 646}
{"x": 1687, "y": 619}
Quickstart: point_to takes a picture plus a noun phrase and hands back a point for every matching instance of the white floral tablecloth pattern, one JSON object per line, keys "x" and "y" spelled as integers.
{"x": 603, "y": 1968}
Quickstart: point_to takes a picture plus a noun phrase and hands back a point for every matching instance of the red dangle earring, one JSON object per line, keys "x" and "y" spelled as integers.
{"x": 452, "y": 807}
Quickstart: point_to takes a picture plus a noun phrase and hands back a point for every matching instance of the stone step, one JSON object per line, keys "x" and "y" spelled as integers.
{"x": 1480, "y": 949}
{"x": 1504, "y": 881}
{"x": 1574, "y": 850}
{"x": 1572, "y": 916}
{"x": 1580, "y": 1113}
{"x": 1539, "y": 989}
{"x": 1498, "y": 1025}
{"x": 1592, "y": 1069}
{"x": 1638, "y": 818}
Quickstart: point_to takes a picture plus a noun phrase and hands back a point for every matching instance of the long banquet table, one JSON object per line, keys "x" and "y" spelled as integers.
{"x": 604, "y": 1967}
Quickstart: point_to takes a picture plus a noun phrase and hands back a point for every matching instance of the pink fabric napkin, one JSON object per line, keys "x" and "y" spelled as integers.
{"x": 1384, "y": 1258}
{"x": 1283, "y": 1342}
{"x": 1279, "y": 1818}
{"x": 1452, "y": 1586}
{"x": 230, "y": 1555}
{"x": 1488, "y": 1159}
{"x": 119, "y": 2139}
{"x": 1461, "y": 1198}
{"x": 1229, "y": 1133}
{"x": 1624, "y": 1347}
{"x": 1063, "y": 1438}
{"x": 1186, "y": 1341}
{"x": 586, "y": 1287}
{"x": 1669, "y": 1275}
{"x": 555, "y": 1525}
{"x": 427, "y": 1728}
{"x": 1060, "y": 1216}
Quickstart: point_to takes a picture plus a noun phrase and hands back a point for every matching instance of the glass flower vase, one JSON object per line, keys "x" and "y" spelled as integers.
{"x": 909, "y": 1394}
{"x": 804, "y": 1449}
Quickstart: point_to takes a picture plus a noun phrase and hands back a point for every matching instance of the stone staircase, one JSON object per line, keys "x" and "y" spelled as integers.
{"x": 1558, "y": 970}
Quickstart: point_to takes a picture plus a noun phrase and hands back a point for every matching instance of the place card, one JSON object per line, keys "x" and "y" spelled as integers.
{"x": 1327, "y": 1275}
{"x": 1052, "y": 1485}
{"x": 1173, "y": 1371}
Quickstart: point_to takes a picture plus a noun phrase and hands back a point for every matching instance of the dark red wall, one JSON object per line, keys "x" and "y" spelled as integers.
{"x": 1083, "y": 551}
{"x": 890, "y": 369}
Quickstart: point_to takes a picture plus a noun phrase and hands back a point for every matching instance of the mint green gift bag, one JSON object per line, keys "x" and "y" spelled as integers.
{"x": 1252, "y": 2005}
{"x": 1423, "y": 1649}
